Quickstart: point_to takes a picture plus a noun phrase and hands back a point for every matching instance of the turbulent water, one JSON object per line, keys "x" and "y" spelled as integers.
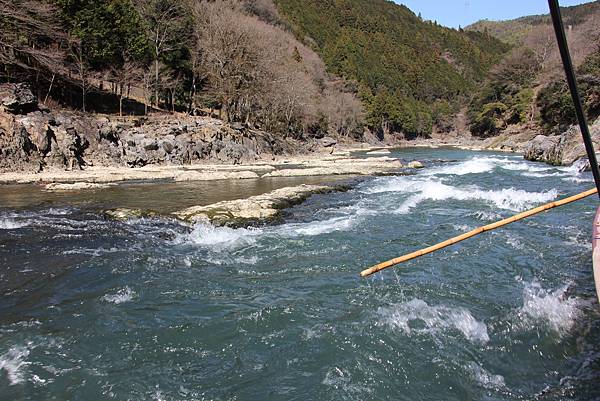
{"x": 151, "y": 309}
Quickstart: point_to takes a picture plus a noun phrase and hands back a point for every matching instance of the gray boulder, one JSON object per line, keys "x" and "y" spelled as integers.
{"x": 327, "y": 142}
{"x": 543, "y": 148}
{"x": 17, "y": 99}
{"x": 561, "y": 150}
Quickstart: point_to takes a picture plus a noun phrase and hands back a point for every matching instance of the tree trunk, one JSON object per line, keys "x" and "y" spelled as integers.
{"x": 156, "y": 79}
{"x": 83, "y": 96}
{"x": 82, "y": 76}
{"x": 192, "y": 105}
{"x": 49, "y": 88}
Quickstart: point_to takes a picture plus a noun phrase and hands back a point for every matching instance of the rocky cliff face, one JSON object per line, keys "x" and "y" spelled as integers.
{"x": 564, "y": 149}
{"x": 32, "y": 138}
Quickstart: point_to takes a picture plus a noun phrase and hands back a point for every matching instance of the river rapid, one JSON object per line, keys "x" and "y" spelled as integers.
{"x": 153, "y": 309}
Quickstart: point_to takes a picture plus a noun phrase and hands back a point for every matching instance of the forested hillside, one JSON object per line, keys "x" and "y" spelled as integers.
{"x": 299, "y": 68}
{"x": 528, "y": 86}
{"x": 412, "y": 73}
{"x": 517, "y": 30}
{"x": 233, "y": 57}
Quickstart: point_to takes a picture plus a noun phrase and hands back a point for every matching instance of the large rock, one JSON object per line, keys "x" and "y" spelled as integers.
{"x": 124, "y": 214}
{"x": 76, "y": 186}
{"x": 415, "y": 164}
{"x": 562, "y": 149}
{"x": 17, "y": 98}
{"x": 342, "y": 166}
{"x": 33, "y": 139}
{"x": 256, "y": 209}
{"x": 327, "y": 142}
{"x": 543, "y": 148}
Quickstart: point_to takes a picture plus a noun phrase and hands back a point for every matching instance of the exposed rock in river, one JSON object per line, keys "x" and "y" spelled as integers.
{"x": 126, "y": 214}
{"x": 77, "y": 186}
{"x": 341, "y": 166}
{"x": 415, "y": 164}
{"x": 379, "y": 152}
{"x": 562, "y": 149}
{"x": 256, "y": 209}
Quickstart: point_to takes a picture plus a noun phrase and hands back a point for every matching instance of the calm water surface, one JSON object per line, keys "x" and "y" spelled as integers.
{"x": 152, "y": 309}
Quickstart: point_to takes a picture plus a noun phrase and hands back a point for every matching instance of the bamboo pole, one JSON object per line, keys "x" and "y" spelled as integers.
{"x": 477, "y": 231}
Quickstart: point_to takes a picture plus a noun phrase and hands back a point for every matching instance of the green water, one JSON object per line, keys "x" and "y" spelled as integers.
{"x": 165, "y": 196}
{"x": 151, "y": 309}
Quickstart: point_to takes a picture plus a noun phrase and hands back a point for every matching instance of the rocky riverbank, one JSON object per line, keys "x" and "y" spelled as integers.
{"x": 293, "y": 166}
{"x": 561, "y": 150}
{"x": 38, "y": 145}
{"x": 35, "y": 139}
{"x": 564, "y": 149}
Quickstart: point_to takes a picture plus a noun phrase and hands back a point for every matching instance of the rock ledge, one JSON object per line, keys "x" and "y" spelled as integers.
{"x": 256, "y": 209}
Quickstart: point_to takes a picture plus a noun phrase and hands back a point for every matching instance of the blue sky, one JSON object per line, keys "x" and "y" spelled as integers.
{"x": 464, "y": 12}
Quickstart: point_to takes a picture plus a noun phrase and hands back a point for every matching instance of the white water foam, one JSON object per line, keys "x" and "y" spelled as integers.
{"x": 485, "y": 378}
{"x": 486, "y": 215}
{"x": 577, "y": 180}
{"x": 14, "y": 363}
{"x": 472, "y": 166}
{"x": 342, "y": 223}
{"x": 528, "y": 167}
{"x": 553, "y": 309}
{"x": 544, "y": 175}
{"x": 125, "y": 294}
{"x": 508, "y": 198}
{"x": 12, "y": 224}
{"x": 419, "y": 317}
{"x": 219, "y": 238}
{"x": 514, "y": 240}
{"x": 207, "y": 235}
{"x": 573, "y": 173}
{"x": 479, "y": 165}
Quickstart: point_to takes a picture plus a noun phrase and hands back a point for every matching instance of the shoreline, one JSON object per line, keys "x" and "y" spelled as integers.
{"x": 340, "y": 162}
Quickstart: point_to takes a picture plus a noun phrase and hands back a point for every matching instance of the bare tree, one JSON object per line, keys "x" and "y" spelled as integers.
{"x": 196, "y": 61}
{"x": 541, "y": 41}
{"x": 260, "y": 74}
{"x": 264, "y": 10}
{"x": 146, "y": 77}
{"x": 124, "y": 77}
{"x": 31, "y": 38}
{"x": 171, "y": 81}
{"x": 81, "y": 68}
{"x": 345, "y": 112}
{"x": 230, "y": 55}
{"x": 163, "y": 21}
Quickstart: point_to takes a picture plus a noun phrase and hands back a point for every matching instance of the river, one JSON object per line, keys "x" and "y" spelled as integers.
{"x": 152, "y": 309}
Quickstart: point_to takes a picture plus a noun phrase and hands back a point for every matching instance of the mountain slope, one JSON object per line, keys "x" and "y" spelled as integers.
{"x": 516, "y": 31}
{"x": 527, "y": 86}
{"x": 412, "y": 72}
